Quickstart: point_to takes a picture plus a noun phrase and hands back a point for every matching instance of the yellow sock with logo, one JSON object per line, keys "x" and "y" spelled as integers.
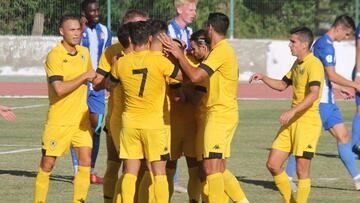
{"x": 194, "y": 184}
{"x": 170, "y": 173}
{"x": 41, "y": 185}
{"x": 161, "y": 189}
{"x": 232, "y": 187}
{"x": 303, "y": 190}
{"x": 81, "y": 184}
{"x": 216, "y": 187}
{"x": 110, "y": 178}
{"x": 128, "y": 187}
{"x": 283, "y": 184}
{"x": 204, "y": 192}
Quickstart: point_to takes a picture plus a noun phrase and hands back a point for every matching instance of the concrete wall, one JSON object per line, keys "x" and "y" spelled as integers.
{"x": 25, "y": 55}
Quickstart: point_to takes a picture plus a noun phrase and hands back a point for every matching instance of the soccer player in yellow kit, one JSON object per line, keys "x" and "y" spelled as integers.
{"x": 301, "y": 124}
{"x": 144, "y": 133}
{"x": 221, "y": 68}
{"x": 115, "y": 102}
{"x": 68, "y": 68}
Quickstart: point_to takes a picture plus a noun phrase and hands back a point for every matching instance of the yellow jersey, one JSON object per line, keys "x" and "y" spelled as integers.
{"x": 303, "y": 75}
{"x": 104, "y": 69}
{"x": 222, "y": 68}
{"x": 71, "y": 109}
{"x": 143, "y": 78}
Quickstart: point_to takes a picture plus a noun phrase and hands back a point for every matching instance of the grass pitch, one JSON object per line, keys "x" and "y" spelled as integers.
{"x": 257, "y": 129}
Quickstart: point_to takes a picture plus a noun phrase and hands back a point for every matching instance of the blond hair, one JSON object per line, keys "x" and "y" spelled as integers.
{"x": 179, "y": 3}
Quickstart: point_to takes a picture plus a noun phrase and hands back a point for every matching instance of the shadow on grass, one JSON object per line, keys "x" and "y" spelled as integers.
{"x": 332, "y": 188}
{"x": 32, "y": 174}
{"x": 264, "y": 183}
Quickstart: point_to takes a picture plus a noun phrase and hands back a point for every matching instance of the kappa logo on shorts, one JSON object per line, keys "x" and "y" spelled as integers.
{"x": 165, "y": 149}
{"x": 216, "y": 147}
{"x": 65, "y": 61}
{"x": 81, "y": 200}
{"x": 53, "y": 143}
{"x": 309, "y": 147}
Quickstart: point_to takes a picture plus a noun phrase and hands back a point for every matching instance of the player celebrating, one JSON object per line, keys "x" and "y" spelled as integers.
{"x": 331, "y": 117}
{"x": 300, "y": 125}
{"x": 96, "y": 37}
{"x": 68, "y": 68}
{"x": 144, "y": 134}
{"x": 221, "y": 68}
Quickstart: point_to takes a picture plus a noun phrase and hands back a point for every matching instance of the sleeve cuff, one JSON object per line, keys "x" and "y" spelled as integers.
{"x": 102, "y": 72}
{"x": 175, "y": 86}
{"x": 200, "y": 88}
{"x": 206, "y": 68}
{"x": 113, "y": 79}
{"x": 56, "y": 78}
{"x": 175, "y": 72}
{"x": 314, "y": 83}
{"x": 287, "y": 80}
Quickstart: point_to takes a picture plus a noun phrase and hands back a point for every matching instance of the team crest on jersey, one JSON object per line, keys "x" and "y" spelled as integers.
{"x": 84, "y": 34}
{"x": 301, "y": 71}
{"x": 53, "y": 143}
{"x": 82, "y": 56}
{"x": 65, "y": 61}
{"x": 329, "y": 59}
{"x": 102, "y": 35}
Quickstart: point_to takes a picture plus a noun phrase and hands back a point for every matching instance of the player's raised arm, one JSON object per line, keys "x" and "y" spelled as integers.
{"x": 275, "y": 84}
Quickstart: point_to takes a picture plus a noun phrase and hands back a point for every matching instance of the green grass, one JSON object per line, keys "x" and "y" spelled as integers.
{"x": 258, "y": 126}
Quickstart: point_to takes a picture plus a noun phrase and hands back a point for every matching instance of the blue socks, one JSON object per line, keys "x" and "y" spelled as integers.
{"x": 291, "y": 166}
{"x": 355, "y": 130}
{"x": 347, "y": 158}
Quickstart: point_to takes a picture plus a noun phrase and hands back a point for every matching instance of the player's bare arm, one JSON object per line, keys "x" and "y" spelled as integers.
{"x": 340, "y": 80}
{"x": 306, "y": 103}
{"x": 110, "y": 84}
{"x": 7, "y": 113}
{"x": 63, "y": 88}
{"x": 194, "y": 74}
{"x": 279, "y": 85}
{"x": 98, "y": 82}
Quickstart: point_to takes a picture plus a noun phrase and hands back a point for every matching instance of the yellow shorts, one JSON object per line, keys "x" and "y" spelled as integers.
{"x": 56, "y": 140}
{"x": 299, "y": 138}
{"x": 183, "y": 140}
{"x": 217, "y": 139}
{"x": 199, "y": 150}
{"x": 151, "y": 144}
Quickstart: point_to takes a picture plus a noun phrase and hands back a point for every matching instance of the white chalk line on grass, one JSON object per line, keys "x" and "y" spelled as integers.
{"x": 18, "y": 145}
{"x": 29, "y": 106}
{"x": 19, "y": 151}
{"x": 23, "y": 97}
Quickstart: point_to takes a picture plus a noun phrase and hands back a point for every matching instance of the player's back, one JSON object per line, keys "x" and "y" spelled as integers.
{"x": 142, "y": 75}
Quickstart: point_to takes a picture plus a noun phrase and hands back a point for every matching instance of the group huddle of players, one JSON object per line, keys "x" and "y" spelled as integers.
{"x": 166, "y": 100}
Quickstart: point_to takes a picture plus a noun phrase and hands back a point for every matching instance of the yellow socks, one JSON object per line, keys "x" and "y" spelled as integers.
{"x": 216, "y": 187}
{"x": 204, "y": 192}
{"x": 283, "y": 184}
{"x": 194, "y": 185}
{"x": 170, "y": 173}
{"x": 117, "y": 191}
{"x": 81, "y": 184}
{"x": 110, "y": 178}
{"x": 303, "y": 190}
{"x": 128, "y": 187}
{"x": 146, "y": 189}
{"x": 161, "y": 189}
{"x": 232, "y": 187}
{"x": 41, "y": 186}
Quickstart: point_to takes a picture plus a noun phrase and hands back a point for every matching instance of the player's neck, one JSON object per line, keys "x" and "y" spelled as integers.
{"x": 331, "y": 33}
{"x": 302, "y": 56}
{"x": 180, "y": 22}
{"x": 143, "y": 47}
{"x": 68, "y": 47}
{"x": 91, "y": 25}
{"x": 216, "y": 38}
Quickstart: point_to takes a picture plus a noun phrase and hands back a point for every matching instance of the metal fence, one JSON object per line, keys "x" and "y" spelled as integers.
{"x": 252, "y": 18}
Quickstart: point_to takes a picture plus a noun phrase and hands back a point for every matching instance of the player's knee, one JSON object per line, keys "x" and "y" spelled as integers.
{"x": 273, "y": 168}
{"x": 47, "y": 166}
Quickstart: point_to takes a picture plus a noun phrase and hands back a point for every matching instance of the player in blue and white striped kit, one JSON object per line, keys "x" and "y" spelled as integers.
{"x": 331, "y": 117}
{"x": 96, "y": 37}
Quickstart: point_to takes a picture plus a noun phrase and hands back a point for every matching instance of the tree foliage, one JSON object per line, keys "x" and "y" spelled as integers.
{"x": 253, "y": 18}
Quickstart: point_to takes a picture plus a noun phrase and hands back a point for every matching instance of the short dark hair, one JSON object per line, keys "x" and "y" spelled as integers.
{"x": 139, "y": 32}
{"x": 304, "y": 33}
{"x": 85, "y": 3}
{"x": 219, "y": 21}
{"x": 158, "y": 26}
{"x": 201, "y": 37}
{"x": 132, "y": 13}
{"x": 346, "y": 21}
{"x": 123, "y": 34}
{"x": 67, "y": 17}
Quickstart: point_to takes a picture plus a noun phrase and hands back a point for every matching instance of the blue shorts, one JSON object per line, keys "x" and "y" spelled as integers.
{"x": 357, "y": 94}
{"x": 96, "y": 100}
{"x": 330, "y": 115}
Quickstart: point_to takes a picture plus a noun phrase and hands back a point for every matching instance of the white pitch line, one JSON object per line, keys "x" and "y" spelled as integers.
{"x": 29, "y": 106}
{"x": 18, "y": 151}
{"x": 18, "y": 145}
